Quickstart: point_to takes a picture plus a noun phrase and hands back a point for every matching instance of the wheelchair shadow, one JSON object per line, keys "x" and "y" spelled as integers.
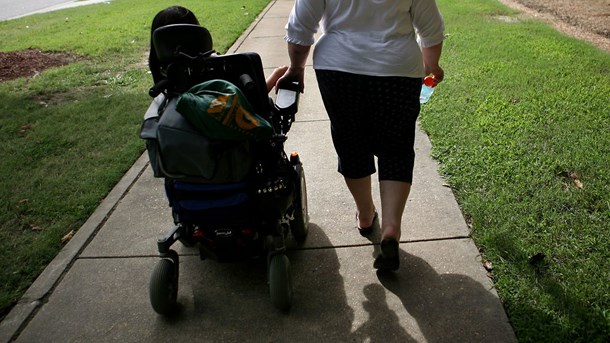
{"x": 231, "y": 301}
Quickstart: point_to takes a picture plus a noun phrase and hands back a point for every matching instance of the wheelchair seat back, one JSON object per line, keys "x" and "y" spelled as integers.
{"x": 186, "y": 53}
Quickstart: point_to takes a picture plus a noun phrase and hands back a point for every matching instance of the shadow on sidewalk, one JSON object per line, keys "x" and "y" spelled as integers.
{"x": 447, "y": 307}
{"x": 383, "y": 324}
{"x": 231, "y": 301}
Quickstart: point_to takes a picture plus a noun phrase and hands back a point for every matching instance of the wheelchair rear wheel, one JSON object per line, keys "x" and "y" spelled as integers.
{"x": 299, "y": 226}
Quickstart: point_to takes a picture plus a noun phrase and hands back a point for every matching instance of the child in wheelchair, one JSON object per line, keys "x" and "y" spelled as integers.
{"x": 217, "y": 139}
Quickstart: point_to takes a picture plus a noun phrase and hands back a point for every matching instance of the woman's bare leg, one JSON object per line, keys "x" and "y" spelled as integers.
{"x": 394, "y": 195}
{"x": 361, "y": 192}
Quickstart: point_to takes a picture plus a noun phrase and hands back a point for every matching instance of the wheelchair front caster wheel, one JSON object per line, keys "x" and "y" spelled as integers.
{"x": 163, "y": 287}
{"x": 280, "y": 282}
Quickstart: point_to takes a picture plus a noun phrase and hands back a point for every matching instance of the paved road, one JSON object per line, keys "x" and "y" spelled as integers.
{"x": 12, "y": 9}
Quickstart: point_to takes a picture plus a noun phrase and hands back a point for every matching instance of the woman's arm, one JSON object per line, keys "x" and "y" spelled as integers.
{"x": 298, "y": 56}
{"x": 431, "y": 56}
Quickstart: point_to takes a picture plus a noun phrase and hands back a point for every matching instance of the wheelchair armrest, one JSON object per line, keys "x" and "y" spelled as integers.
{"x": 158, "y": 88}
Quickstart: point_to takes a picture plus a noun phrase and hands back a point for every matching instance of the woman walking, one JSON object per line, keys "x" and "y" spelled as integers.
{"x": 369, "y": 63}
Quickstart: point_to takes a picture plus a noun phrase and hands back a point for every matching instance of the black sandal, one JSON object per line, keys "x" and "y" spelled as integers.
{"x": 388, "y": 259}
{"x": 365, "y": 231}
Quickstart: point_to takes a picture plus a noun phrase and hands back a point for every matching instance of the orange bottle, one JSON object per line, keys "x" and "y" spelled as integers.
{"x": 427, "y": 88}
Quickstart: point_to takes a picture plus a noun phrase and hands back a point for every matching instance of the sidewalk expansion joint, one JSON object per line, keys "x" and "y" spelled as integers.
{"x": 312, "y": 120}
{"x": 358, "y": 245}
{"x": 119, "y": 257}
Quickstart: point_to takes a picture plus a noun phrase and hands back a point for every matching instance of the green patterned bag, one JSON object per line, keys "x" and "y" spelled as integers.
{"x": 221, "y": 111}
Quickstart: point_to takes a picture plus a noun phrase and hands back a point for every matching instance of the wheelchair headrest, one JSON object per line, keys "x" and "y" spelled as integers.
{"x": 172, "y": 41}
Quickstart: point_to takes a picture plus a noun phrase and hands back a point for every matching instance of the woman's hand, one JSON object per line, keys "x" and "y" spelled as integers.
{"x": 294, "y": 74}
{"x": 437, "y": 71}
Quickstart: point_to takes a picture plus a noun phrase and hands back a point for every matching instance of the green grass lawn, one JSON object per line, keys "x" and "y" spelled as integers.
{"x": 521, "y": 126}
{"x": 70, "y": 133}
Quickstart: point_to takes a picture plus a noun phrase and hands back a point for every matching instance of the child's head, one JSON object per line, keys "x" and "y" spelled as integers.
{"x": 168, "y": 16}
{"x": 173, "y": 15}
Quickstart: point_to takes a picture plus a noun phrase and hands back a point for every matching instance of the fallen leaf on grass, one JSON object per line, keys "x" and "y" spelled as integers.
{"x": 578, "y": 184}
{"x": 24, "y": 129}
{"x": 65, "y": 239}
{"x": 574, "y": 177}
{"x": 35, "y": 228}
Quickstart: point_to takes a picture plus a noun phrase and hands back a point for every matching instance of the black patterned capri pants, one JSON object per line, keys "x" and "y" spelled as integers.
{"x": 372, "y": 116}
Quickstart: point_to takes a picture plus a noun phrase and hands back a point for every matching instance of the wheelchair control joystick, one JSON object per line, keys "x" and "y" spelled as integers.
{"x": 287, "y": 97}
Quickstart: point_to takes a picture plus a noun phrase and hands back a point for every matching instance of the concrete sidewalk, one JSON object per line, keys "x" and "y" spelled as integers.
{"x": 96, "y": 290}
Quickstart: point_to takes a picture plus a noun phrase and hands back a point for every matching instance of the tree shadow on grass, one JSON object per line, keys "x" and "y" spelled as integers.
{"x": 550, "y": 310}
